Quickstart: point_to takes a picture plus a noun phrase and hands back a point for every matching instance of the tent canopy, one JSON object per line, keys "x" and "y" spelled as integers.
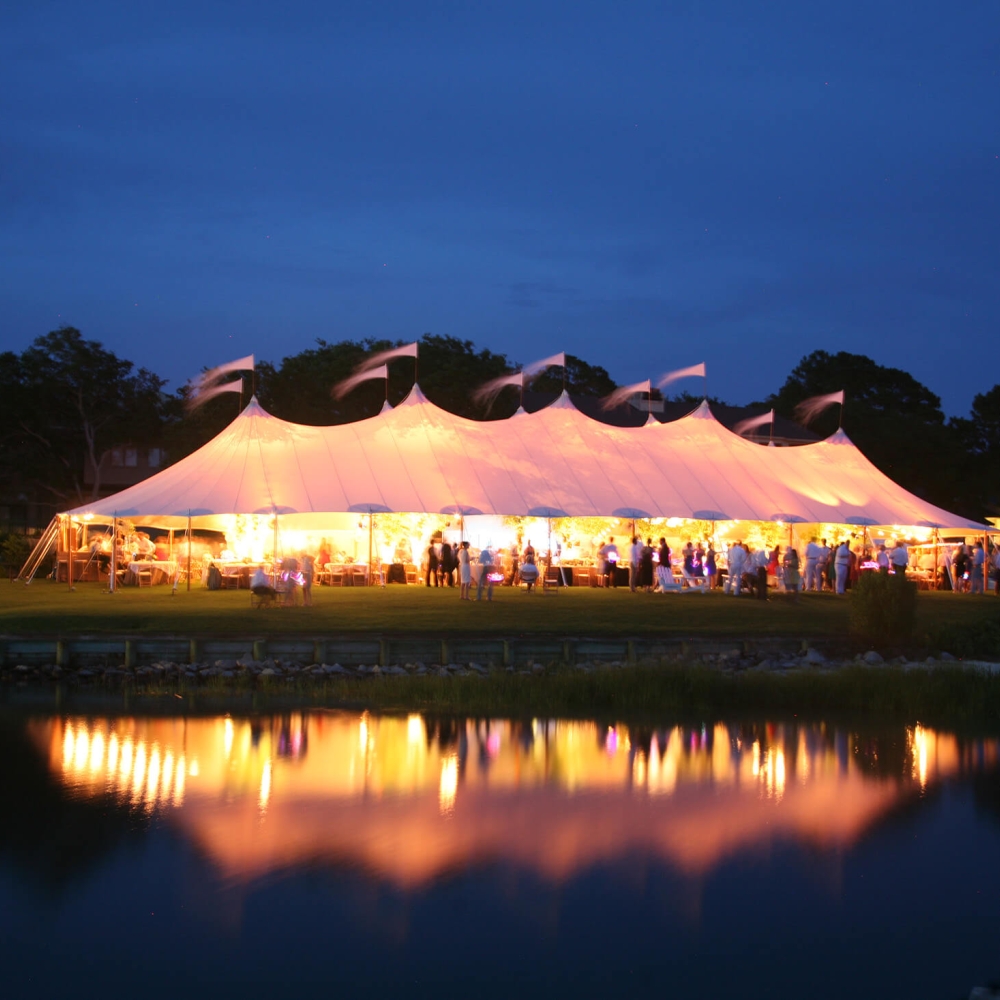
{"x": 418, "y": 458}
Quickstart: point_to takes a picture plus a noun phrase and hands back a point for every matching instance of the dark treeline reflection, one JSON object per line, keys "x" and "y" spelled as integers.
{"x": 52, "y": 836}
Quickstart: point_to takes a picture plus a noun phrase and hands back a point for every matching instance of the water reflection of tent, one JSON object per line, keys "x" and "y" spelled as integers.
{"x": 555, "y": 462}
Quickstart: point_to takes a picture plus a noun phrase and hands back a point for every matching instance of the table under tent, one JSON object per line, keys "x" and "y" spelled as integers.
{"x": 370, "y": 494}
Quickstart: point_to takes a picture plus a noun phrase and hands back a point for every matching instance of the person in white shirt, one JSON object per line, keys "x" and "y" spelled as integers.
{"x": 609, "y": 563}
{"x": 882, "y": 558}
{"x": 735, "y": 563}
{"x": 842, "y": 564}
{"x": 813, "y": 553}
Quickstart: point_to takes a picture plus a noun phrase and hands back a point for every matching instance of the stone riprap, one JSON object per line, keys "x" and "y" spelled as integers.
{"x": 244, "y": 672}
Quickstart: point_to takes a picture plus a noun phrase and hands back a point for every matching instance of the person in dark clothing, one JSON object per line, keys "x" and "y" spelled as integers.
{"x": 432, "y": 566}
{"x": 447, "y": 565}
{"x": 646, "y": 566}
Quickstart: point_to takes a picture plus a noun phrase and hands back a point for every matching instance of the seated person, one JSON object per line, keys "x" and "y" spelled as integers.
{"x": 260, "y": 583}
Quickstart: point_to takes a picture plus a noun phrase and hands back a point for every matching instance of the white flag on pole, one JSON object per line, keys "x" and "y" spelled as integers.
{"x": 556, "y": 361}
{"x": 623, "y": 394}
{"x": 694, "y": 371}
{"x": 489, "y": 391}
{"x": 751, "y": 422}
{"x": 407, "y": 351}
{"x": 809, "y": 409}
{"x": 341, "y": 389}
{"x": 200, "y": 396}
{"x": 213, "y": 375}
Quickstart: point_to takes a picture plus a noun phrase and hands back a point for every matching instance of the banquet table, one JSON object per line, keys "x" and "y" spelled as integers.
{"x": 161, "y": 570}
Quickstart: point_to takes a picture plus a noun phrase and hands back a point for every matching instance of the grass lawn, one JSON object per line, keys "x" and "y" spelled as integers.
{"x": 46, "y": 608}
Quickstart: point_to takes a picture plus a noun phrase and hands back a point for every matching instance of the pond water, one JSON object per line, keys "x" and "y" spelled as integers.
{"x": 364, "y": 854}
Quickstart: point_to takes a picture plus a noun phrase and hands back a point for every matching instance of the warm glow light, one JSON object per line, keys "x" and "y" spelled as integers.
{"x": 68, "y": 745}
{"x": 97, "y": 751}
{"x": 153, "y": 776}
{"x": 265, "y": 786}
{"x": 227, "y": 738}
{"x": 179, "y": 783}
{"x": 415, "y": 729}
{"x": 448, "y": 786}
{"x": 82, "y": 748}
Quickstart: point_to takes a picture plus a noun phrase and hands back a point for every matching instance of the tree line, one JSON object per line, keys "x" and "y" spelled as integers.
{"x": 66, "y": 401}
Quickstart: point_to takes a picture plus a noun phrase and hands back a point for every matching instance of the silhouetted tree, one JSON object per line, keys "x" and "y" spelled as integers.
{"x": 66, "y": 402}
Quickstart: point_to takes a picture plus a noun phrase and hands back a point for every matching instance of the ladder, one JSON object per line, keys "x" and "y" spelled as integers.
{"x": 39, "y": 552}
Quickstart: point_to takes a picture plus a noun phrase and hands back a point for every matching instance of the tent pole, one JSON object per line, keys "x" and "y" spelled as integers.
{"x": 274, "y": 555}
{"x": 189, "y": 553}
{"x": 935, "y": 558}
{"x": 113, "y": 571}
{"x": 371, "y": 522}
{"x": 70, "y": 545}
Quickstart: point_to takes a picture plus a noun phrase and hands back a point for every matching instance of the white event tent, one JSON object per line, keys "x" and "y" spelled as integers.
{"x": 418, "y": 458}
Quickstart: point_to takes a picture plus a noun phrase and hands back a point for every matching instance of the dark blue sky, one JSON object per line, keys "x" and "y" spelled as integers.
{"x": 646, "y": 185}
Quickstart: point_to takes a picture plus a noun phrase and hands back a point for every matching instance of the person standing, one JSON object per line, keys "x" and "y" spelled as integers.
{"x": 432, "y": 566}
{"x": 812, "y": 560}
{"x": 711, "y": 569}
{"x": 447, "y": 565}
{"x": 823, "y": 567}
{"x": 646, "y": 566}
{"x": 996, "y": 570}
{"x": 634, "y": 560}
{"x": 609, "y": 563}
{"x": 882, "y": 558}
{"x": 900, "y": 558}
{"x": 842, "y": 565}
{"x": 735, "y": 564}
{"x": 464, "y": 572}
{"x": 485, "y": 573}
{"x": 308, "y": 572}
{"x": 790, "y": 570}
{"x": 663, "y": 572}
{"x": 978, "y": 564}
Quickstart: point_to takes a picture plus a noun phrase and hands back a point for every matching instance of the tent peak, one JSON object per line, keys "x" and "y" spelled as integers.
{"x": 702, "y": 411}
{"x": 839, "y": 437}
{"x": 561, "y": 402}
{"x": 386, "y": 407}
{"x": 414, "y": 396}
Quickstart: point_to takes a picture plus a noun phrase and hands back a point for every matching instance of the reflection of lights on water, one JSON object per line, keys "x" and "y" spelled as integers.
{"x": 112, "y": 755}
{"x": 414, "y": 729}
{"x": 227, "y": 737}
{"x": 448, "y": 786}
{"x": 493, "y": 743}
{"x": 193, "y": 770}
{"x": 265, "y": 786}
{"x": 363, "y": 733}
{"x": 920, "y": 741}
{"x": 611, "y": 740}
{"x": 97, "y": 751}
{"x": 756, "y": 758}
{"x": 141, "y": 771}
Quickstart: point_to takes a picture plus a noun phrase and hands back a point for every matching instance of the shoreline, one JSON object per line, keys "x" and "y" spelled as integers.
{"x": 808, "y": 685}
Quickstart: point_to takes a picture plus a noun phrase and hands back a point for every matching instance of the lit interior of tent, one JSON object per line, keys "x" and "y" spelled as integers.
{"x": 376, "y": 492}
